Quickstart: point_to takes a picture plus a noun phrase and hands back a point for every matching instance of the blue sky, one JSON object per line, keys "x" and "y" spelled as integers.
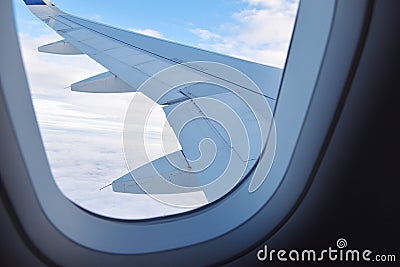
{"x": 174, "y": 19}
{"x": 82, "y": 133}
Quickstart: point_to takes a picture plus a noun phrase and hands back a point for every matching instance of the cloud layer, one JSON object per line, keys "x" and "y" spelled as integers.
{"x": 259, "y": 33}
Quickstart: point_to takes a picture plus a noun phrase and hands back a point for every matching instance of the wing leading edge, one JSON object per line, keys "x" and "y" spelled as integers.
{"x": 133, "y": 59}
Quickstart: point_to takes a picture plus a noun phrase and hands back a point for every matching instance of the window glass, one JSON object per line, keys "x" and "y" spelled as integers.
{"x": 82, "y": 133}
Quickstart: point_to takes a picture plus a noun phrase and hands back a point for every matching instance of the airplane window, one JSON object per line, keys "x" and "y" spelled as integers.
{"x": 83, "y": 133}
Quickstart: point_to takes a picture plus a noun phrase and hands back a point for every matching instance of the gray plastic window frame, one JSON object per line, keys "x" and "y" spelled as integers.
{"x": 311, "y": 89}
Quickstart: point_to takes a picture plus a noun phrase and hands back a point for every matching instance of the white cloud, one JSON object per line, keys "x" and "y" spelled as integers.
{"x": 149, "y": 32}
{"x": 276, "y": 4}
{"x": 260, "y": 33}
{"x": 205, "y": 34}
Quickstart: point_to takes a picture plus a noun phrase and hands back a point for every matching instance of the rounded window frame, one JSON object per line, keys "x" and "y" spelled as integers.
{"x": 35, "y": 196}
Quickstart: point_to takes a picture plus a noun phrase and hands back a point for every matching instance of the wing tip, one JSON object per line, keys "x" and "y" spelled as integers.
{"x": 37, "y": 2}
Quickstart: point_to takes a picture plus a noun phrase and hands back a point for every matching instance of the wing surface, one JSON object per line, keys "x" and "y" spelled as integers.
{"x": 133, "y": 59}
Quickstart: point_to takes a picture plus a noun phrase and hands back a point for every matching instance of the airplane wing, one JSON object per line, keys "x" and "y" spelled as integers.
{"x": 197, "y": 93}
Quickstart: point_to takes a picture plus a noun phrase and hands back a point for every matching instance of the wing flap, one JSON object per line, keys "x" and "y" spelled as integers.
{"x": 161, "y": 178}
